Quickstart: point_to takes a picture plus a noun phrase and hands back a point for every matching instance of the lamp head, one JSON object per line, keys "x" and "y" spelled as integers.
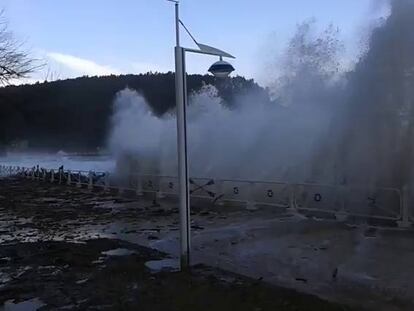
{"x": 221, "y": 69}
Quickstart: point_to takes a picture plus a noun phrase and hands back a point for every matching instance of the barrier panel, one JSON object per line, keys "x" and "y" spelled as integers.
{"x": 82, "y": 178}
{"x": 129, "y": 182}
{"x": 111, "y": 180}
{"x": 235, "y": 191}
{"x": 206, "y": 188}
{"x": 382, "y": 203}
{"x": 72, "y": 177}
{"x": 98, "y": 178}
{"x": 168, "y": 185}
{"x": 150, "y": 183}
{"x": 46, "y": 175}
{"x": 277, "y": 194}
{"x": 125, "y": 182}
{"x": 323, "y": 198}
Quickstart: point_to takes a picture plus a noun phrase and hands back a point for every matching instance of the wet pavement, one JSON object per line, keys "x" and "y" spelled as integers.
{"x": 74, "y": 249}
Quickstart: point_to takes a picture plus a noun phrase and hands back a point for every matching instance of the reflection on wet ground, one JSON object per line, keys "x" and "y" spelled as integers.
{"x": 27, "y": 305}
{"x": 167, "y": 264}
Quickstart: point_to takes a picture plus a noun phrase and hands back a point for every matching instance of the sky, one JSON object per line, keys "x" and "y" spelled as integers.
{"x": 99, "y": 37}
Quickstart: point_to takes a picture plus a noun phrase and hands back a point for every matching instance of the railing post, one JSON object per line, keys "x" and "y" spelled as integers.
{"x": 292, "y": 198}
{"x": 159, "y": 194}
{"x": 60, "y": 176}
{"x": 90, "y": 183}
{"x": 121, "y": 189}
{"x": 33, "y": 174}
{"x": 219, "y": 191}
{"x": 106, "y": 181}
{"x": 405, "y": 212}
{"x": 139, "y": 186}
{"x": 68, "y": 180}
{"x": 250, "y": 204}
{"x": 342, "y": 215}
{"x": 79, "y": 184}
{"x": 52, "y": 176}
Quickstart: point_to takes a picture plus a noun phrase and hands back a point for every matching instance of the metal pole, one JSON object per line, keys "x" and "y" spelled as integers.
{"x": 177, "y": 25}
{"x": 181, "y": 94}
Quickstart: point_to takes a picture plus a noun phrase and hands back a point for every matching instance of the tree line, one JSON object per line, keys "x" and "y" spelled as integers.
{"x": 74, "y": 114}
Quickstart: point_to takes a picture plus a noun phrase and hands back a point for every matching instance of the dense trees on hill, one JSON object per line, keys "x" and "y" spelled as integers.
{"x": 74, "y": 114}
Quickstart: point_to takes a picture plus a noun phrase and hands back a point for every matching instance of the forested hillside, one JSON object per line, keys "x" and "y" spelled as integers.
{"x": 74, "y": 114}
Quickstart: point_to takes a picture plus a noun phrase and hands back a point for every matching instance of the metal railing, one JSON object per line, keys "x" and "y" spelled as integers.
{"x": 339, "y": 200}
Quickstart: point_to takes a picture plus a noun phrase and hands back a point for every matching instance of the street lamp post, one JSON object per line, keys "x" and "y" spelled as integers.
{"x": 219, "y": 69}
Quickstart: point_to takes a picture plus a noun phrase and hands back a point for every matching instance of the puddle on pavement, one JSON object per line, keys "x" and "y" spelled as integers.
{"x": 118, "y": 252}
{"x": 27, "y": 305}
{"x": 168, "y": 264}
{"x": 98, "y": 261}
